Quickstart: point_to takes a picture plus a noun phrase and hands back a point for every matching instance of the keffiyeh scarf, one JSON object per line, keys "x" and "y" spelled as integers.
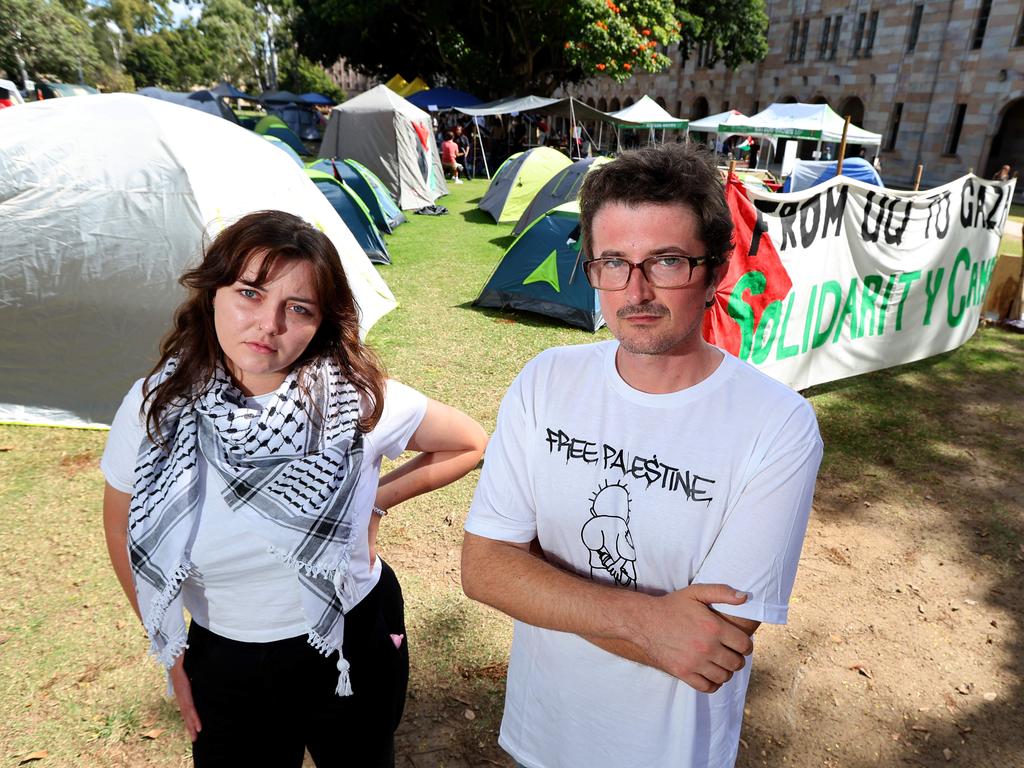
{"x": 289, "y": 477}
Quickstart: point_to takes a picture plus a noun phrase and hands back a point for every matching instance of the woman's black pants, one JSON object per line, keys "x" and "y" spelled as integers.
{"x": 263, "y": 704}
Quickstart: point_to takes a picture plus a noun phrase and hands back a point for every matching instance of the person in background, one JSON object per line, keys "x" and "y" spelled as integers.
{"x": 465, "y": 145}
{"x": 243, "y": 485}
{"x": 450, "y": 157}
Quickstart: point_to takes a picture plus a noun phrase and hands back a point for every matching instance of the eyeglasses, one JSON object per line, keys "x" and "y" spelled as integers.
{"x": 661, "y": 271}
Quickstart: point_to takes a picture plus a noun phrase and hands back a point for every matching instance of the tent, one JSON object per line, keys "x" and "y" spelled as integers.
{"x": 415, "y": 86}
{"x": 563, "y": 187}
{"x": 440, "y": 99}
{"x": 312, "y": 97}
{"x": 354, "y": 213}
{"x": 204, "y": 101}
{"x": 542, "y": 272}
{"x": 393, "y": 139}
{"x": 811, "y": 122}
{"x": 712, "y": 123}
{"x": 272, "y": 125}
{"x": 518, "y": 180}
{"x": 286, "y": 149}
{"x": 371, "y": 191}
{"x": 646, "y": 113}
{"x": 809, "y": 173}
{"x": 103, "y": 203}
{"x": 226, "y": 90}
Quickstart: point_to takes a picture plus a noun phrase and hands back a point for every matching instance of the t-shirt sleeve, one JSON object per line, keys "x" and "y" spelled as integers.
{"x": 404, "y": 408}
{"x": 126, "y": 435}
{"x": 503, "y": 506}
{"x": 759, "y": 546}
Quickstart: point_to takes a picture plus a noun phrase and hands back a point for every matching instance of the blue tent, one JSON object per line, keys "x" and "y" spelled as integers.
{"x": 807, "y": 174}
{"x": 353, "y": 213}
{"x": 317, "y": 98}
{"x": 204, "y": 101}
{"x": 439, "y": 99}
{"x": 542, "y": 272}
{"x": 226, "y": 90}
{"x": 371, "y": 191}
{"x": 285, "y": 148}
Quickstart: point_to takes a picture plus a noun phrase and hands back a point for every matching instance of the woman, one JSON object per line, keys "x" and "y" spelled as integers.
{"x": 243, "y": 486}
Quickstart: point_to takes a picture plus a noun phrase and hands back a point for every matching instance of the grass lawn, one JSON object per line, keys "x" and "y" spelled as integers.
{"x": 74, "y": 678}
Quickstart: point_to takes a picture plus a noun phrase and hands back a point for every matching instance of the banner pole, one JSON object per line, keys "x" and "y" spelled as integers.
{"x": 842, "y": 148}
{"x": 917, "y": 178}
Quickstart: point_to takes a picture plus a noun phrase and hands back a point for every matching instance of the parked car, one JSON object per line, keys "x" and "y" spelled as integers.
{"x": 49, "y": 90}
{"x": 9, "y": 94}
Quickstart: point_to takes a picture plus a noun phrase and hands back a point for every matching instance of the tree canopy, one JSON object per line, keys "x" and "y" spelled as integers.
{"x": 515, "y": 46}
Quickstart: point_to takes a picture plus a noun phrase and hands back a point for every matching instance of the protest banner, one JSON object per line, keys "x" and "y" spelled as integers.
{"x": 878, "y": 277}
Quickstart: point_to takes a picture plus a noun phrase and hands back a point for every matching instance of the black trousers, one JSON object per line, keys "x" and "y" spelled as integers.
{"x": 264, "y": 704}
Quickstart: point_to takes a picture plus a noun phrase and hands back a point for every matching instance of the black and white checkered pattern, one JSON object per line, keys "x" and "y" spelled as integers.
{"x": 289, "y": 471}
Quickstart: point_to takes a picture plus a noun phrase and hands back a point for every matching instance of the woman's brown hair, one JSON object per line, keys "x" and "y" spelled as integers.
{"x": 192, "y": 341}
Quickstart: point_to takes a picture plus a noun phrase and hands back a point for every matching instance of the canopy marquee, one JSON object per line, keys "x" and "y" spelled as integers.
{"x": 810, "y": 122}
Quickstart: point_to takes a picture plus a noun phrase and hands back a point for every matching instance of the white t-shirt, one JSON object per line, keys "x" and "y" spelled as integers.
{"x": 236, "y": 588}
{"x": 711, "y": 484}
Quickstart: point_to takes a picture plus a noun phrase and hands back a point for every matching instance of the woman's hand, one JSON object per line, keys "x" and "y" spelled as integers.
{"x": 183, "y": 693}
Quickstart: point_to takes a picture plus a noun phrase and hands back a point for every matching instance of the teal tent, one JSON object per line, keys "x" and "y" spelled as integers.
{"x": 563, "y": 187}
{"x": 272, "y": 125}
{"x": 542, "y": 272}
{"x": 354, "y": 213}
{"x": 286, "y": 149}
{"x": 383, "y": 209}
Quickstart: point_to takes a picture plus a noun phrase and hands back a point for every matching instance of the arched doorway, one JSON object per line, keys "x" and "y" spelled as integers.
{"x": 853, "y": 107}
{"x": 819, "y": 99}
{"x": 1008, "y": 143}
{"x": 628, "y": 102}
{"x": 661, "y": 102}
{"x": 787, "y": 100}
{"x": 602, "y": 104}
{"x": 700, "y": 109}
{"x": 614, "y": 106}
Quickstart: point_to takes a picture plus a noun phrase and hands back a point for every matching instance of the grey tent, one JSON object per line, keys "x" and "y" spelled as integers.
{"x": 204, "y": 101}
{"x": 563, "y": 187}
{"x": 393, "y": 139}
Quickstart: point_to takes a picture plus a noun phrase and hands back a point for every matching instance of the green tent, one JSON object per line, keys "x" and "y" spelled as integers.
{"x": 354, "y": 213}
{"x": 542, "y": 272}
{"x": 272, "y": 125}
{"x": 518, "y": 180}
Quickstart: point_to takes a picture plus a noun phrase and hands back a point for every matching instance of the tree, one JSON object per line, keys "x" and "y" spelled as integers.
{"x": 45, "y": 38}
{"x": 497, "y": 47}
{"x": 300, "y": 75}
{"x": 734, "y": 31}
{"x": 490, "y": 47}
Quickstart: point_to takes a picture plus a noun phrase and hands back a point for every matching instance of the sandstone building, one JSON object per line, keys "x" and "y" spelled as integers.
{"x": 941, "y": 80}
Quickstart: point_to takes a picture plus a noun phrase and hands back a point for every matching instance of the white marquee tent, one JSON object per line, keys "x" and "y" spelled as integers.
{"x": 810, "y": 122}
{"x": 103, "y": 204}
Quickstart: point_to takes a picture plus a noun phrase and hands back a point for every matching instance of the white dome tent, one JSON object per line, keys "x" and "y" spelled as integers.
{"x": 103, "y": 203}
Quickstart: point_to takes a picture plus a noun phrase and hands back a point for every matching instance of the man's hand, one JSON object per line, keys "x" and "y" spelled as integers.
{"x": 183, "y": 693}
{"x": 680, "y": 635}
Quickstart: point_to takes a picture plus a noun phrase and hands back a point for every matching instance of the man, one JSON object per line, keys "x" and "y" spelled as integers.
{"x": 450, "y": 157}
{"x": 644, "y": 500}
{"x": 465, "y": 146}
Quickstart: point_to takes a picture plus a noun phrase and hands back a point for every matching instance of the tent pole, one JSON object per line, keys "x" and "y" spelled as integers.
{"x": 480, "y": 141}
{"x": 572, "y": 131}
{"x": 600, "y": 132}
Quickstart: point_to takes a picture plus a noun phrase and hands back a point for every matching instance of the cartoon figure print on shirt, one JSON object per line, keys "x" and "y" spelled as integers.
{"x": 606, "y": 534}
